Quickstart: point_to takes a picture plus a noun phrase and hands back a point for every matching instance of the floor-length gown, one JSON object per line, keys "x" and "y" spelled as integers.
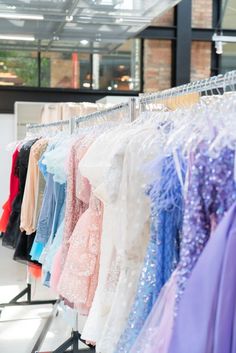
{"x": 206, "y": 318}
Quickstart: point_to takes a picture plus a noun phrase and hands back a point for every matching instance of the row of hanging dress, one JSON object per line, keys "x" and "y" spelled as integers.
{"x": 195, "y": 310}
{"x": 105, "y": 237}
{"x": 159, "y": 173}
{"x": 136, "y": 228}
{"x": 21, "y": 215}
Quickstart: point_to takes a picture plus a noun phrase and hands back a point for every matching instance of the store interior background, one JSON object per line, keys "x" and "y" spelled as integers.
{"x": 176, "y": 48}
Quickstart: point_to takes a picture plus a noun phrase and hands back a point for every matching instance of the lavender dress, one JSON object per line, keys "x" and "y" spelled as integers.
{"x": 211, "y": 193}
{"x": 206, "y": 321}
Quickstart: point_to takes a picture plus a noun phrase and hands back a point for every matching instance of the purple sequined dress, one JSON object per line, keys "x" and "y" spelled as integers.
{"x": 210, "y": 194}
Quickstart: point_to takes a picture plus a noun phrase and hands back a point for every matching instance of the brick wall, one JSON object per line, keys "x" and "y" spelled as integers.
{"x": 200, "y": 60}
{"x": 166, "y": 19}
{"x": 157, "y": 65}
{"x": 202, "y": 13}
{"x": 61, "y": 73}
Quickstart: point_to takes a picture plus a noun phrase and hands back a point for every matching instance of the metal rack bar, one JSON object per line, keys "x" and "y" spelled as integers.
{"x": 54, "y": 123}
{"x": 101, "y": 113}
{"x": 215, "y": 82}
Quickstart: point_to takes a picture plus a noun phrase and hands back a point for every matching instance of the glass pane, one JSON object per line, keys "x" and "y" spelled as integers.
{"x": 228, "y": 58}
{"x": 18, "y": 68}
{"x": 202, "y": 11}
{"x": 229, "y": 20}
{"x": 157, "y": 64}
{"x": 65, "y": 70}
{"x": 119, "y": 70}
{"x": 200, "y": 60}
{"x": 166, "y": 19}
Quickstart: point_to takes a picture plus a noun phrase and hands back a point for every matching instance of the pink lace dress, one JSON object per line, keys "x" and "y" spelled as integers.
{"x": 79, "y": 277}
{"x": 76, "y": 204}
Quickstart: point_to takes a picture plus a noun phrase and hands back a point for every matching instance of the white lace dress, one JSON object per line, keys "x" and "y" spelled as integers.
{"x": 102, "y": 165}
{"x": 132, "y": 218}
{"x": 113, "y": 165}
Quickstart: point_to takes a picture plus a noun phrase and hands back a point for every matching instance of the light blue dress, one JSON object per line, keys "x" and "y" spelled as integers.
{"x": 52, "y": 165}
{"x": 163, "y": 249}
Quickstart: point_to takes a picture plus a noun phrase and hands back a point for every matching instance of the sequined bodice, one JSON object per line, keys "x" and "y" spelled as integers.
{"x": 210, "y": 194}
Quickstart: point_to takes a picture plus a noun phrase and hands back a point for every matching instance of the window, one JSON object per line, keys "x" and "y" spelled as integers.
{"x": 119, "y": 70}
{"x": 229, "y": 20}
{"x": 228, "y": 58}
{"x": 65, "y": 70}
{"x": 157, "y": 64}
{"x": 18, "y": 68}
{"x": 200, "y": 60}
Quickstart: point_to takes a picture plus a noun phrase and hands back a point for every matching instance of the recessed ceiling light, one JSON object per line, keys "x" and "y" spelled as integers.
{"x": 18, "y": 16}
{"x": 69, "y": 18}
{"x": 84, "y": 42}
{"x": 17, "y": 37}
{"x": 11, "y": 7}
{"x": 85, "y": 18}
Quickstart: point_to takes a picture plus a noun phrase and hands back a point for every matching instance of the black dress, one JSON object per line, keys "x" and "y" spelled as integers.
{"x": 12, "y": 234}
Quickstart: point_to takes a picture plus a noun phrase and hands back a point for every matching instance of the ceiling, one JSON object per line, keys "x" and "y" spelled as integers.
{"x": 84, "y": 25}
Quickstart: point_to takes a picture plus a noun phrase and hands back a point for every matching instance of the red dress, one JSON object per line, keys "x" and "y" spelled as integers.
{"x": 14, "y": 187}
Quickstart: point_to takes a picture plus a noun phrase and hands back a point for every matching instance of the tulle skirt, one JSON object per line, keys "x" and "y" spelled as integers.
{"x": 156, "y": 333}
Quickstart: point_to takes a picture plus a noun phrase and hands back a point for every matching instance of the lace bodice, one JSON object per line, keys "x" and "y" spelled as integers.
{"x": 102, "y": 165}
{"x": 76, "y": 202}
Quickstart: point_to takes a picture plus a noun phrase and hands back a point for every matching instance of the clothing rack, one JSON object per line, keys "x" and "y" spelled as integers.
{"x": 134, "y": 105}
{"x": 74, "y": 123}
{"x": 27, "y": 291}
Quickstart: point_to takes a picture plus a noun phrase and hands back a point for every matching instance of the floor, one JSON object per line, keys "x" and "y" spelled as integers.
{"x": 20, "y": 326}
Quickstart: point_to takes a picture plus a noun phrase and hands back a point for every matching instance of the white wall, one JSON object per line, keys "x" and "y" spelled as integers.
{"x": 7, "y": 135}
